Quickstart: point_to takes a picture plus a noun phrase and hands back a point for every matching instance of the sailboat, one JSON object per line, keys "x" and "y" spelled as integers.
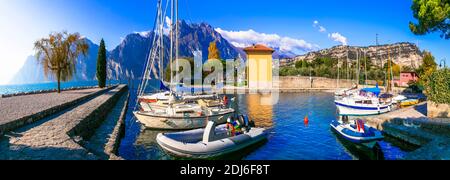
{"x": 363, "y": 102}
{"x": 167, "y": 110}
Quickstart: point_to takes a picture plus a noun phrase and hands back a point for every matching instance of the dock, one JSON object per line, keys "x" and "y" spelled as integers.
{"x": 412, "y": 126}
{"x": 74, "y": 125}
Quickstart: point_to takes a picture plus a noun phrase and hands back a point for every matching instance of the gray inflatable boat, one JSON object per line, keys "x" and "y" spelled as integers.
{"x": 213, "y": 141}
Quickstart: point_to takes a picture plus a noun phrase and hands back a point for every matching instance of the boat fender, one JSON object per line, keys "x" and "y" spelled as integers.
{"x": 379, "y": 111}
{"x": 225, "y": 101}
{"x": 230, "y": 127}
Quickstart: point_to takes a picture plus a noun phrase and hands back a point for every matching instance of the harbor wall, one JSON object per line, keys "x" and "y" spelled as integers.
{"x": 303, "y": 82}
{"x": 113, "y": 144}
{"x": 87, "y": 126}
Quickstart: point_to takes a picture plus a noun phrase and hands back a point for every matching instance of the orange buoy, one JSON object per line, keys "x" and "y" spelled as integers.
{"x": 306, "y": 120}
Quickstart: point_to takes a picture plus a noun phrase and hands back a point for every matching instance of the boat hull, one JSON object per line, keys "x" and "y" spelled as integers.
{"x": 179, "y": 123}
{"x": 359, "y": 138}
{"x": 352, "y": 110}
{"x": 174, "y": 143}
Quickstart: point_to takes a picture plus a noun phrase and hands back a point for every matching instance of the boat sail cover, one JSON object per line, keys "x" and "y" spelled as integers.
{"x": 376, "y": 90}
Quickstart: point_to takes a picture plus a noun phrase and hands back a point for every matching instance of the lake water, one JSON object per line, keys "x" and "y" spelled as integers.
{"x": 289, "y": 139}
{"x": 11, "y": 89}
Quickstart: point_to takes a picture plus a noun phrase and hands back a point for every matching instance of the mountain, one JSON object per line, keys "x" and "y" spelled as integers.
{"x": 404, "y": 54}
{"x": 129, "y": 57}
{"x": 32, "y": 72}
{"x": 132, "y": 52}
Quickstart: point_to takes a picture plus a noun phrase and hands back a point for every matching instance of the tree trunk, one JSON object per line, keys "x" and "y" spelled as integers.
{"x": 58, "y": 77}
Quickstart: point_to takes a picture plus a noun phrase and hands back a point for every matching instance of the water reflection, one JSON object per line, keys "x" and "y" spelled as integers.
{"x": 289, "y": 138}
{"x": 360, "y": 151}
{"x": 258, "y": 110}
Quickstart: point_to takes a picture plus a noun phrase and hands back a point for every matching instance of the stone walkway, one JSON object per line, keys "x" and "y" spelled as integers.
{"x": 48, "y": 139}
{"x": 97, "y": 143}
{"x": 20, "y": 110}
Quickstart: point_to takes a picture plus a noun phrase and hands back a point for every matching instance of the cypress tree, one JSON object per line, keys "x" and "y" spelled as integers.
{"x": 101, "y": 65}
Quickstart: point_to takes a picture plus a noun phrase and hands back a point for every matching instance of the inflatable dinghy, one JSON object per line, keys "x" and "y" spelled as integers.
{"x": 211, "y": 142}
{"x": 357, "y": 132}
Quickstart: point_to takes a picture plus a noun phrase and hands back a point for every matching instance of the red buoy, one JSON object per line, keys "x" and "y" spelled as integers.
{"x": 306, "y": 120}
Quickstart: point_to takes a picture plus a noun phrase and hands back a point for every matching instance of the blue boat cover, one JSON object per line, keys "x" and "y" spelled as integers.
{"x": 375, "y": 90}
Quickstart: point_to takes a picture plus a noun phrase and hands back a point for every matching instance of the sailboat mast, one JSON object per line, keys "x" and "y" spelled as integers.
{"x": 357, "y": 71}
{"x": 365, "y": 67}
{"x": 338, "y": 75}
{"x": 389, "y": 72}
{"x": 171, "y": 41}
{"x": 176, "y": 35}
{"x": 161, "y": 46}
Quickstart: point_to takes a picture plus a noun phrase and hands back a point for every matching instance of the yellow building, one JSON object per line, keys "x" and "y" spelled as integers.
{"x": 259, "y": 66}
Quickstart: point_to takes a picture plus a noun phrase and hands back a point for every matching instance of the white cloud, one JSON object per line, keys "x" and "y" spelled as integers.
{"x": 247, "y": 38}
{"x": 316, "y": 24}
{"x": 338, "y": 38}
{"x": 322, "y": 29}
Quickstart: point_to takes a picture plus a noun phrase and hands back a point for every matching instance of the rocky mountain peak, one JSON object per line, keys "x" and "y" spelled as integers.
{"x": 403, "y": 53}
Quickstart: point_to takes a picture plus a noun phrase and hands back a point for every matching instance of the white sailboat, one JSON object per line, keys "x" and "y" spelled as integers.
{"x": 362, "y": 102}
{"x": 168, "y": 110}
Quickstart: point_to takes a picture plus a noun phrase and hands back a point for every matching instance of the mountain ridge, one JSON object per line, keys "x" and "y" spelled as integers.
{"x": 402, "y": 53}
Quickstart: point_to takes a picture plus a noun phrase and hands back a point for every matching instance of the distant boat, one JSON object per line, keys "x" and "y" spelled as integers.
{"x": 409, "y": 102}
{"x": 363, "y": 104}
{"x": 356, "y": 131}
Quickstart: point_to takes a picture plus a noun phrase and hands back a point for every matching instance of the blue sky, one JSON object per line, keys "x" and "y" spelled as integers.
{"x": 282, "y": 22}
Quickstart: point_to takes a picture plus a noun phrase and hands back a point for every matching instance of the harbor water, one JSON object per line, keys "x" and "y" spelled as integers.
{"x": 11, "y": 89}
{"x": 290, "y": 138}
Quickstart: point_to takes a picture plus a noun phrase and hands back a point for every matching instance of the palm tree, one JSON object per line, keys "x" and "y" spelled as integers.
{"x": 58, "y": 54}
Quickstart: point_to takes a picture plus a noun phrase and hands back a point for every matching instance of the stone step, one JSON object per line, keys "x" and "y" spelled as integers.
{"x": 57, "y": 137}
{"x": 105, "y": 139}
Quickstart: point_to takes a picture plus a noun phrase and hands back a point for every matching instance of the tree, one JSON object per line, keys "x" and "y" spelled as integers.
{"x": 58, "y": 54}
{"x": 427, "y": 68}
{"x": 432, "y": 16}
{"x": 101, "y": 65}
{"x": 299, "y": 64}
{"x": 213, "y": 52}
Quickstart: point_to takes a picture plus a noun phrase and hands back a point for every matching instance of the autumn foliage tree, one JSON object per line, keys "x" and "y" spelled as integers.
{"x": 213, "y": 51}
{"x": 58, "y": 54}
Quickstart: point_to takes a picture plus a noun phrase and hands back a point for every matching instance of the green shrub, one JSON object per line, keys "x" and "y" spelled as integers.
{"x": 438, "y": 88}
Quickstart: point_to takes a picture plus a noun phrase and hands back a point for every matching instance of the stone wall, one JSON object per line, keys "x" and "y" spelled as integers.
{"x": 303, "y": 82}
{"x": 114, "y": 142}
{"x": 438, "y": 110}
{"x": 86, "y": 127}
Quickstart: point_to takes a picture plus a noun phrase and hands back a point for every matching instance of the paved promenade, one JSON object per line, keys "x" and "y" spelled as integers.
{"x": 21, "y": 110}
{"x": 56, "y": 137}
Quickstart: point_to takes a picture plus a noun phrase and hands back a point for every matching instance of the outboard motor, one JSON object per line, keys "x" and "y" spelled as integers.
{"x": 245, "y": 122}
